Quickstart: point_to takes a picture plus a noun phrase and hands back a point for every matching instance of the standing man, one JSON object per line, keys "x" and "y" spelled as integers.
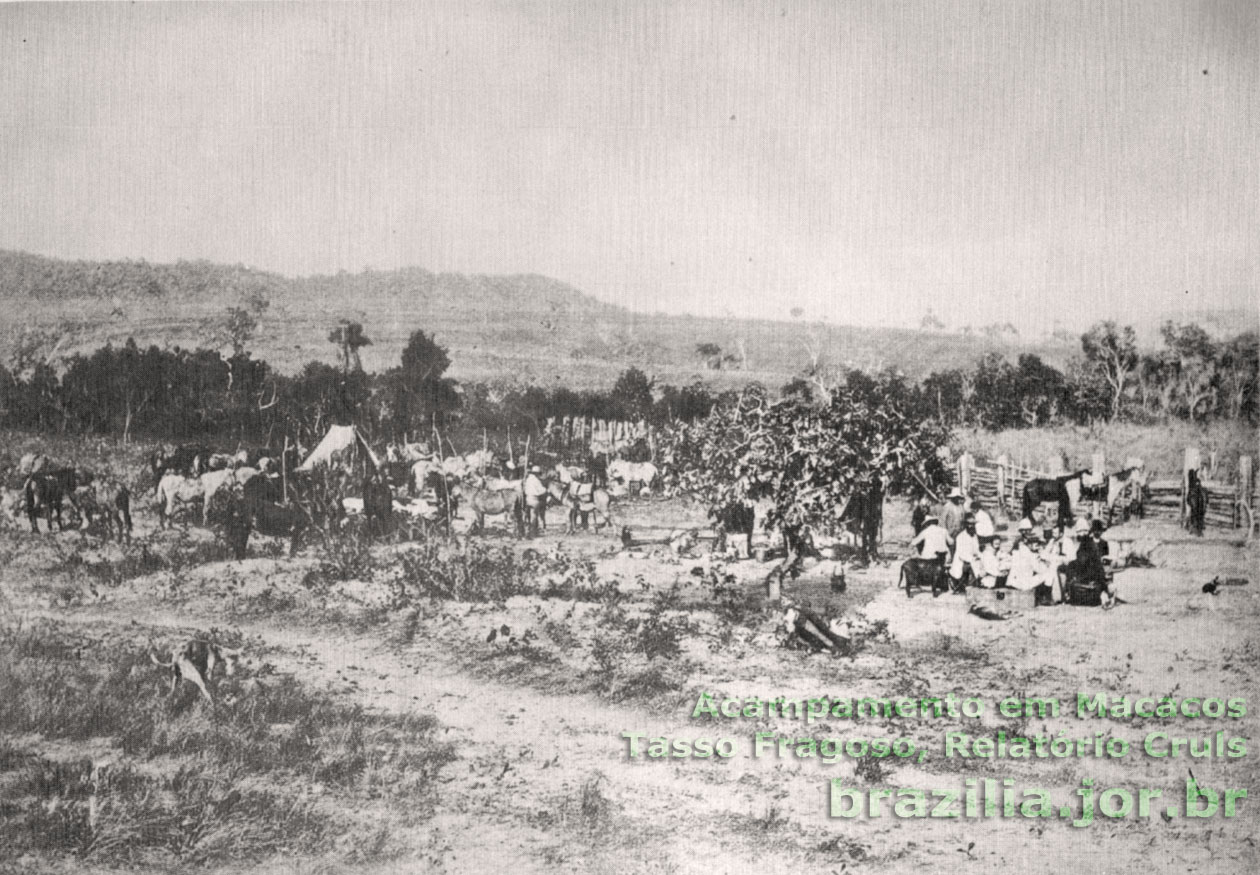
{"x": 954, "y": 512}
{"x": 984, "y": 522}
{"x": 535, "y": 500}
{"x": 1196, "y": 503}
{"x": 584, "y": 500}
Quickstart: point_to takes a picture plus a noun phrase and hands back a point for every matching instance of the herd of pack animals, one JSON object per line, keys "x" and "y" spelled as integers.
{"x": 411, "y": 481}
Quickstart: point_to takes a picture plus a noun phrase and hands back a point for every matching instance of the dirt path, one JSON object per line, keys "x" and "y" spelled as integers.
{"x": 542, "y": 782}
{"x": 515, "y": 795}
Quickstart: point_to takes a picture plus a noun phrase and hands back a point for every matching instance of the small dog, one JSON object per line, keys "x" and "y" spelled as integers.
{"x": 195, "y": 661}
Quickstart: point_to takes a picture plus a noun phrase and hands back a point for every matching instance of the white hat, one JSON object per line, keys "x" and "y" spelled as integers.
{"x": 931, "y": 518}
{"x": 534, "y": 469}
{"x": 1025, "y": 525}
{"x": 956, "y": 493}
{"x": 1081, "y": 528}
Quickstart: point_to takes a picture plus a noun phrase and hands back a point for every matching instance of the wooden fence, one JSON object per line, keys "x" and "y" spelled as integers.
{"x": 1231, "y": 500}
{"x": 597, "y": 435}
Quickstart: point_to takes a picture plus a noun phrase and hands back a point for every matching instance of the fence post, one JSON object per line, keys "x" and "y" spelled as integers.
{"x": 1193, "y": 462}
{"x": 1002, "y": 462}
{"x": 964, "y": 473}
{"x": 1246, "y": 485}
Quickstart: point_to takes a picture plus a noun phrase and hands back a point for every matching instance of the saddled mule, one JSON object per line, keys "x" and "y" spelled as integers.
{"x": 1050, "y": 489}
{"x": 174, "y": 490}
{"x": 278, "y": 521}
{"x": 485, "y": 501}
{"x": 171, "y": 459}
{"x": 1124, "y": 488}
{"x": 47, "y": 491}
{"x": 106, "y": 499}
{"x": 599, "y": 504}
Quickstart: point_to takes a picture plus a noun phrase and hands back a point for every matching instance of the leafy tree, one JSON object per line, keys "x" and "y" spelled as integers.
{"x": 1189, "y": 370}
{"x": 423, "y": 358}
{"x": 633, "y": 394}
{"x": 417, "y": 394}
{"x": 1112, "y": 352}
{"x": 349, "y": 338}
{"x": 1240, "y": 375}
{"x": 798, "y": 388}
{"x": 810, "y": 460}
{"x": 1039, "y": 389}
{"x": 686, "y": 404}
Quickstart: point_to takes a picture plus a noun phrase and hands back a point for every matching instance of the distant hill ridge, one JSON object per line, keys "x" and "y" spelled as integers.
{"x": 525, "y": 327}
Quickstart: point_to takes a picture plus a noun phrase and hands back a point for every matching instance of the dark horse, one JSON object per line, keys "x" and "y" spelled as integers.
{"x": 865, "y": 515}
{"x": 1044, "y": 489}
{"x": 46, "y": 491}
{"x": 257, "y": 508}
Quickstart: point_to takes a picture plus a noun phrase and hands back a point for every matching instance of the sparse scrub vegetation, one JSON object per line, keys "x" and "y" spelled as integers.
{"x": 208, "y": 806}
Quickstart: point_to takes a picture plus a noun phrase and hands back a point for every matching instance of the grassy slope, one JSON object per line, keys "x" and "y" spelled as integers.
{"x": 530, "y": 328}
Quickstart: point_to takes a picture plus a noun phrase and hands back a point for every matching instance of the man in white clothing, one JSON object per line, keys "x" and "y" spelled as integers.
{"x": 966, "y": 554}
{"x": 1029, "y": 568}
{"x": 994, "y": 566}
{"x": 984, "y": 522}
{"x": 535, "y": 500}
{"x": 933, "y": 541}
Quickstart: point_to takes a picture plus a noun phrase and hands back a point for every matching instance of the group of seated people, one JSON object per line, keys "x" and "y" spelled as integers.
{"x": 1057, "y": 565}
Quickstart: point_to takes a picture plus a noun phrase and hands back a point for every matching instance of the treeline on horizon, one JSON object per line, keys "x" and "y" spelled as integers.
{"x": 231, "y": 397}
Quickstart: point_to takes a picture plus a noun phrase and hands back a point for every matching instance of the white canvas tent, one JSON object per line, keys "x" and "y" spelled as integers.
{"x": 340, "y": 446}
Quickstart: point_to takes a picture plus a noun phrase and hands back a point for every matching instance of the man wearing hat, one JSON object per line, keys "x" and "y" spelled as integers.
{"x": 933, "y": 542}
{"x": 1029, "y": 568}
{"x": 535, "y": 500}
{"x": 966, "y": 554}
{"x": 954, "y": 512}
{"x": 1088, "y": 568}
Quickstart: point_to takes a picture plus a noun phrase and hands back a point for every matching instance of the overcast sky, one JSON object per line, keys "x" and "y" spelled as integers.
{"x": 864, "y": 161}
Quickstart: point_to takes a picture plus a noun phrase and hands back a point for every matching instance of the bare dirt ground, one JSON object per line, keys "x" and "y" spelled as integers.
{"x": 540, "y": 779}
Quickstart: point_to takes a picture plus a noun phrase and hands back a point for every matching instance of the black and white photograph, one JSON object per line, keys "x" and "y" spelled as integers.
{"x": 674, "y": 437}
